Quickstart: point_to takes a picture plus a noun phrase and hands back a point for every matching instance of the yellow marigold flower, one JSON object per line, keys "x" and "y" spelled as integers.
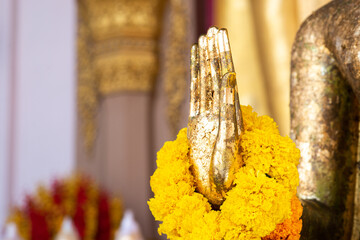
{"x": 116, "y": 209}
{"x": 289, "y": 229}
{"x": 44, "y": 202}
{"x": 259, "y": 201}
{"x": 91, "y": 212}
{"x": 22, "y": 222}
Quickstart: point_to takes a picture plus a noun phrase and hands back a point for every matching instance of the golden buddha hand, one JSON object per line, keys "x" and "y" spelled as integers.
{"x": 214, "y": 125}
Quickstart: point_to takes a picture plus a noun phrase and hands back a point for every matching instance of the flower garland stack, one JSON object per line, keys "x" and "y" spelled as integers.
{"x": 93, "y": 213}
{"x": 261, "y": 205}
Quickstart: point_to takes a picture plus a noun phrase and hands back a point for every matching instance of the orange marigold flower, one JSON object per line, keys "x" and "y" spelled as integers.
{"x": 290, "y": 229}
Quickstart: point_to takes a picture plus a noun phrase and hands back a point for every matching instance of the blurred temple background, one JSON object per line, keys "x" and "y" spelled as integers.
{"x": 98, "y": 86}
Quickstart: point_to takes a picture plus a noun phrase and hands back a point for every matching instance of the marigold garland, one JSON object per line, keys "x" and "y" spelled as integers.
{"x": 291, "y": 227}
{"x": 259, "y": 204}
{"x": 94, "y": 214}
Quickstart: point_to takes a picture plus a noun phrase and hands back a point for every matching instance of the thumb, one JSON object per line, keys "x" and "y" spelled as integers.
{"x": 224, "y": 156}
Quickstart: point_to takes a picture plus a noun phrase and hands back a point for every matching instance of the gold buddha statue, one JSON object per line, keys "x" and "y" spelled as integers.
{"x": 325, "y": 93}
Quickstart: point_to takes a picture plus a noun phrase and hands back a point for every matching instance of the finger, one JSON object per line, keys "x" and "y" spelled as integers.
{"x": 214, "y": 67}
{"x": 238, "y": 114}
{"x": 226, "y": 62}
{"x": 225, "y": 146}
{"x": 227, "y": 97}
{"x": 228, "y": 66}
{"x": 203, "y": 73}
{"x": 208, "y": 83}
{"x": 194, "y": 85}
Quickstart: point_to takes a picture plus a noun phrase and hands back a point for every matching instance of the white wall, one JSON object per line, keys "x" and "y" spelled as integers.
{"x": 43, "y": 96}
{"x": 5, "y": 22}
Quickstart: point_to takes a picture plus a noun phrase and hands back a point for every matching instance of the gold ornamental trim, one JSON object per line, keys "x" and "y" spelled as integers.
{"x": 117, "y": 51}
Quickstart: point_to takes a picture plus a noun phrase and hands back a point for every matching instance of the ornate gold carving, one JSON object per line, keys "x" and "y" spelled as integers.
{"x": 215, "y": 119}
{"x": 175, "y": 57}
{"x": 126, "y": 73}
{"x": 87, "y": 83}
{"x": 117, "y": 51}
